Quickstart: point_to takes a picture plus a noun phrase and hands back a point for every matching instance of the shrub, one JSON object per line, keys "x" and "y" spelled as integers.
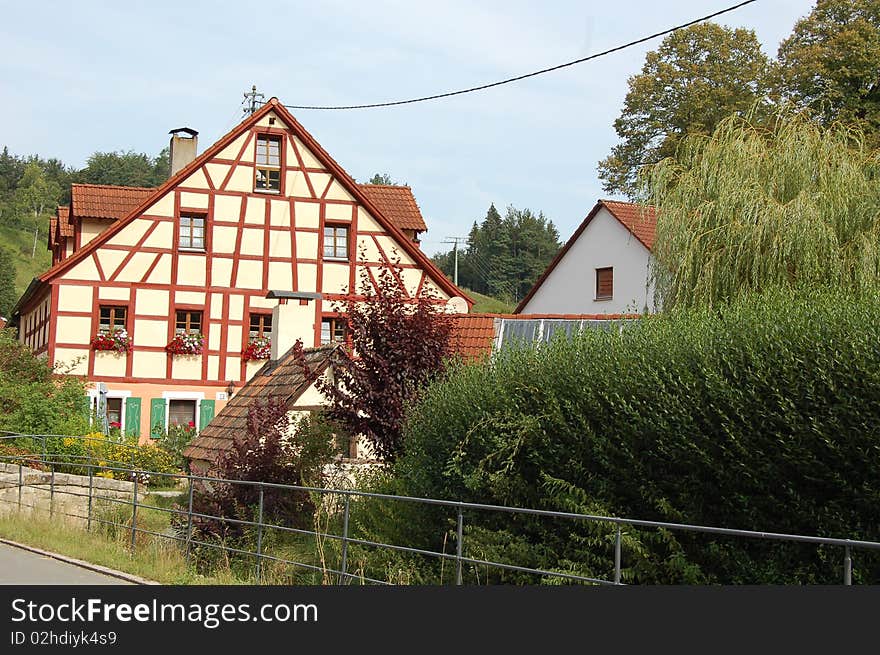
{"x": 762, "y": 415}
{"x": 274, "y": 449}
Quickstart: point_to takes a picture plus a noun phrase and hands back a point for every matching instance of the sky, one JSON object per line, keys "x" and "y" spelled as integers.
{"x": 99, "y": 76}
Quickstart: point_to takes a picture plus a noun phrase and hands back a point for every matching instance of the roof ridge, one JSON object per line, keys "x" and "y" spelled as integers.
{"x": 113, "y": 186}
{"x": 387, "y": 186}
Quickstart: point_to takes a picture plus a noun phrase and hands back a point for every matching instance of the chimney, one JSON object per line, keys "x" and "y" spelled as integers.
{"x": 291, "y": 311}
{"x": 184, "y": 142}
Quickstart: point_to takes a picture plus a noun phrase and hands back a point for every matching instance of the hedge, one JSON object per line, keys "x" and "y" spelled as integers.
{"x": 763, "y": 415}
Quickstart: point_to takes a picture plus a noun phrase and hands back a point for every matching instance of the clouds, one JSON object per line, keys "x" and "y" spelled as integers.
{"x": 87, "y": 76}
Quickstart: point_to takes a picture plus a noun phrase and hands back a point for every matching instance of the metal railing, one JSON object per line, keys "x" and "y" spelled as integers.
{"x": 188, "y": 515}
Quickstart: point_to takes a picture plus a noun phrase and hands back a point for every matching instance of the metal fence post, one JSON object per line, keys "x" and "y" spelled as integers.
{"x": 847, "y": 566}
{"x": 458, "y": 546}
{"x": 617, "y": 556}
{"x": 189, "y": 519}
{"x": 344, "y": 567}
{"x": 20, "y": 483}
{"x": 52, "y": 492}
{"x": 134, "y": 504}
{"x": 89, "y": 512}
{"x": 260, "y": 538}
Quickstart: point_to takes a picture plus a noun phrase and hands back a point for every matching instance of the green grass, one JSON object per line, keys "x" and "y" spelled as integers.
{"x": 20, "y": 241}
{"x": 162, "y": 559}
{"x": 488, "y": 304}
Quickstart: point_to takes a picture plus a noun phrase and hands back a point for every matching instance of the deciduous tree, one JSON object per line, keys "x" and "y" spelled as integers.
{"x": 697, "y": 77}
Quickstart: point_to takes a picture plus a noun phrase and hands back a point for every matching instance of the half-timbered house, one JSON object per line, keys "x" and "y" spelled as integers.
{"x": 160, "y": 295}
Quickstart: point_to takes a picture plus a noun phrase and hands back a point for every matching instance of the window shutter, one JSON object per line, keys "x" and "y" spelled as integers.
{"x": 604, "y": 282}
{"x": 133, "y": 417}
{"x": 206, "y": 413}
{"x": 157, "y": 417}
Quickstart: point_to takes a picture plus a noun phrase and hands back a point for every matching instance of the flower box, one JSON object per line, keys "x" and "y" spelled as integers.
{"x": 257, "y": 348}
{"x": 117, "y": 341}
{"x": 186, "y": 344}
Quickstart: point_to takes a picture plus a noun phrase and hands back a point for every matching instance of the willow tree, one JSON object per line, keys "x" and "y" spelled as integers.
{"x": 747, "y": 208}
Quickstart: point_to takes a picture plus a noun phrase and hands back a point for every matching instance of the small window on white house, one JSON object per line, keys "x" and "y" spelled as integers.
{"x": 332, "y": 330}
{"x": 192, "y": 232}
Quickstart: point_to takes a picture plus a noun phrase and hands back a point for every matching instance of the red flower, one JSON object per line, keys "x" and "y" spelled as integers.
{"x": 191, "y": 424}
{"x": 115, "y": 424}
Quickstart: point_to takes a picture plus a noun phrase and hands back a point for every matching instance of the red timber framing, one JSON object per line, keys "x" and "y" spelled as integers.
{"x": 230, "y": 291}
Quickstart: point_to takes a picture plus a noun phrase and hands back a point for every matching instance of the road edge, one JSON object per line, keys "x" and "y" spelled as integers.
{"x": 97, "y": 568}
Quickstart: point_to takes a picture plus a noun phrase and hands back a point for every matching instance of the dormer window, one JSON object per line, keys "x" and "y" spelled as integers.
{"x": 268, "y": 163}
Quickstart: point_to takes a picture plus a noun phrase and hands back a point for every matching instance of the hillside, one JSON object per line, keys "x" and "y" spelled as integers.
{"x": 20, "y": 242}
{"x": 488, "y": 304}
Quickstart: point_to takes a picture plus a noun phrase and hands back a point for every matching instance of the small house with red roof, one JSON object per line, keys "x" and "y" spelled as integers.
{"x": 604, "y": 268}
{"x": 167, "y": 299}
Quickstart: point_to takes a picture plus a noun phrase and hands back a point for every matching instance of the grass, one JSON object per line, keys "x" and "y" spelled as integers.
{"x": 162, "y": 559}
{"x": 488, "y": 304}
{"x": 20, "y": 242}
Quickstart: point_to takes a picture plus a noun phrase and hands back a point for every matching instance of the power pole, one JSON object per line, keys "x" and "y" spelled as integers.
{"x": 250, "y": 101}
{"x": 454, "y": 241}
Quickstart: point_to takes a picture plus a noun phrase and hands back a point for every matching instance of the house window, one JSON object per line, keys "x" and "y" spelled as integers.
{"x": 181, "y": 412}
{"x": 114, "y": 412}
{"x": 111, "y": 318}
{"x": 192, "y": 232}
{"x": 260, "y": 325}
{"x": 188, "y": 322}
{"x": 604, "y": 283}
{"x": 332, "y": 330}
{"x": 336, "y": 241}
{"x": 268, "y": 163}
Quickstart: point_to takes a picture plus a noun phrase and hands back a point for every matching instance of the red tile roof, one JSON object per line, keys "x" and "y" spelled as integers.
{"x": 397, "y": 203}
{"x": 473, "y": 335}
{"x": 641, "y": 220}
{"x": 105, "y": 201}
{"x": 65, "y": 229}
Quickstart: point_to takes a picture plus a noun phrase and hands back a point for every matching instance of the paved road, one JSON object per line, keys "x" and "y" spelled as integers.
{"x": 18, "y": 566}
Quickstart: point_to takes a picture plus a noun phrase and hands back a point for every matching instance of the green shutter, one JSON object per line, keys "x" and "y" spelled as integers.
{"x": 206, "y": 413}
{"x": 157, "y": 417}
{"x": 133, "y": 417}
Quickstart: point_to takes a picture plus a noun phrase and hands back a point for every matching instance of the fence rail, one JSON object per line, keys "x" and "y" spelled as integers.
{"x": 135, "y": 501}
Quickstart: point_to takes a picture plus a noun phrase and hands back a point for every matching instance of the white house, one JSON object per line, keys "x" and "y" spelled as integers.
{"x": 604, "y": 268}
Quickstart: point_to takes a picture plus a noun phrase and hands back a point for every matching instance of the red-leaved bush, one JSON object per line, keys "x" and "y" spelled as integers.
{"x": 398, "y": 344}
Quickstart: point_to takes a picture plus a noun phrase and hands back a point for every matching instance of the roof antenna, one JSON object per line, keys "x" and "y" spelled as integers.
{"x": 251, "y": 104}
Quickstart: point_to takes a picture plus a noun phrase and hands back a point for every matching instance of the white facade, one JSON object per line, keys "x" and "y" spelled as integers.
{"x": 570, "y": 287}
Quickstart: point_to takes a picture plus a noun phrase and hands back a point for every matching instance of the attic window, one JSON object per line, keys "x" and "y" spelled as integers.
{"x": 604, "y": 283}
{"x": 268, "y": 163}
{"x": 192, "y": 232}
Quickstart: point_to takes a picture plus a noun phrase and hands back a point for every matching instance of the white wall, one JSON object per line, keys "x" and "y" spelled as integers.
{"x": 571, "y": 286}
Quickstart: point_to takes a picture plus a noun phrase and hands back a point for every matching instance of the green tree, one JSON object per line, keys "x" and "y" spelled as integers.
{"x": 697, "y": 77}
{"x": 831, "y": 64}
{"x": 125, "y": 169}
{"x": 35, "y": 193}
{"x": 8, "y": 294}
{"x": 748, "y": 209}
{"x": 504, "y": 256}
{"x": 381, "y": 178}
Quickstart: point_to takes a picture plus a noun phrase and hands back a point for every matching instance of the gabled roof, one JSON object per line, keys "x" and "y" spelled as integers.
{"x": 284, "y": 379}
{"x": 335, "y": 169}
{"x": 65, "y": 228}
{"x": 639, "y": 220}
{"x": 106, "y": 201}
{"x": 398, "y": 204}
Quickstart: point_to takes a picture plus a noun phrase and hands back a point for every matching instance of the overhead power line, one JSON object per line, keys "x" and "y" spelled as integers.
{"x": 533, "y": 74}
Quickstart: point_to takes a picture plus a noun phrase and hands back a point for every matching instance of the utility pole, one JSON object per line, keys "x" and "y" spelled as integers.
{"x": 250, "y": 101}
{"x": 454, "y": 241}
